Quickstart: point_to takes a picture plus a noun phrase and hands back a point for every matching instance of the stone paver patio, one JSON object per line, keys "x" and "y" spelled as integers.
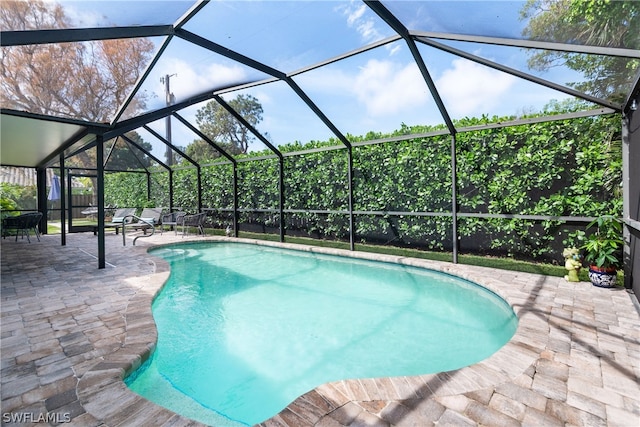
{"x": 70, "y": 332}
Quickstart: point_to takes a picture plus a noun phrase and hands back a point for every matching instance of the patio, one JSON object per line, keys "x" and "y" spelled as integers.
{"x": 70, "y": 331}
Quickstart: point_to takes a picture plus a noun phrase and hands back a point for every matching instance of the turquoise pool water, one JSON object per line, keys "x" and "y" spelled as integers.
{"x": 243, "y": 329}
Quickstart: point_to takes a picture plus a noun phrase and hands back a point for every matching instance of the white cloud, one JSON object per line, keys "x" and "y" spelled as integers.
{"x": 190, "y": 81}
{"x": 364, "y": 22}
{"x": 81, "y": 16}
{"x": 356, "y": 18}
{"x": 376, "y": 91}
{"x": 470, "y": 89}
{"x": 355, "y": 14}
{"x": 385, "y": 87}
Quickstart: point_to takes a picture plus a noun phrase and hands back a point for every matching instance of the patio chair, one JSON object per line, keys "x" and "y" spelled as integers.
{"x": 22, "y": 224}
{"x": 196, "y": 220}
{"x": 11, "y": 223}
{"x": 149, "y": 218}
{"x": 172, "y": 219}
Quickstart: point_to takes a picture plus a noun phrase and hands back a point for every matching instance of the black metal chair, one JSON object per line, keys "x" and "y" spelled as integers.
{"x": 172, "y": 219}
{"x": 196, "y": 220}
{"x": 22, "y": 224}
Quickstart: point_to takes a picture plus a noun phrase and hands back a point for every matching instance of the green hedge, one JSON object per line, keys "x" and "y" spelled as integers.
{"x": 563, "y": 168}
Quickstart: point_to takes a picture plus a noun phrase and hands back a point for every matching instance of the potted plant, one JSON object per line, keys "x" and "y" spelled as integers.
{"x": 603, "y": 250}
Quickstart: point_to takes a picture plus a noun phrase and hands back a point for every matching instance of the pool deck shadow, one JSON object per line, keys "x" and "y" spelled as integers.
{"x": 71, "y": 332}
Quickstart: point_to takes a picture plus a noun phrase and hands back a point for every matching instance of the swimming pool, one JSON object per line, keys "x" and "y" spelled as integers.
{"x": 243, "y": 329}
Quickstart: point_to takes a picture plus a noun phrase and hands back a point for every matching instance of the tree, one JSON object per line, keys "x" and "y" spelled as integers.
{"x": 86, "y": 81}
{"x": 589, "y": 22}
{"x": 223, "y": 129}
{"x": 125, "y": 156}
{"x": 201, "y": 151}
{"x": 79, "y": 80}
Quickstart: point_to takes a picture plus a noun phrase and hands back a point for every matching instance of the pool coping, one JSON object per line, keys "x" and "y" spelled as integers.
{"x": 103, "y": 383}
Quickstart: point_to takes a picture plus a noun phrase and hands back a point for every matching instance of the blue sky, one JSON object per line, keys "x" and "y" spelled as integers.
{"x": 374, "y": 91}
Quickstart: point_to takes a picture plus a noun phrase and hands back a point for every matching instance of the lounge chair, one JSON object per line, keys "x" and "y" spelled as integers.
{"x": 196, "y": 220}
{"x": 119, "y": 217}
{"x": 149, "y": 218}
{"x": 22, "y": 224}
{"x": 172, "y": 219}
{"x": 92, "y": 211}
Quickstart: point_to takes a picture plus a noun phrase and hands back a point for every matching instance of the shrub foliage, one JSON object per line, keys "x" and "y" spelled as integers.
{"x": 562, "y": 168}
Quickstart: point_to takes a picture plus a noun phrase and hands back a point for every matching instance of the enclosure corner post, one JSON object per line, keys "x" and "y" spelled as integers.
{"x": 281, "y": 185}
{"x": 454, "y": 199}
{"x": 631, "y": 198}
{"x": 199, "y": 172}
{"x": 235, "y": 199}
{"x": 171, "y": 190}
{"x": 352, "y": 244}
{"x": 41, "y": 196}
{"x": 63, "y": 205}
{"x": 100, "y": 182}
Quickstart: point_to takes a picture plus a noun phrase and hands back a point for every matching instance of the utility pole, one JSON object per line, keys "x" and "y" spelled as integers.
{"x": 170, "y": 99}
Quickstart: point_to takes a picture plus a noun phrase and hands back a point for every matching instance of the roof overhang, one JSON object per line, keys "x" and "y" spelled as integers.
{"x": 29, "y": 142}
